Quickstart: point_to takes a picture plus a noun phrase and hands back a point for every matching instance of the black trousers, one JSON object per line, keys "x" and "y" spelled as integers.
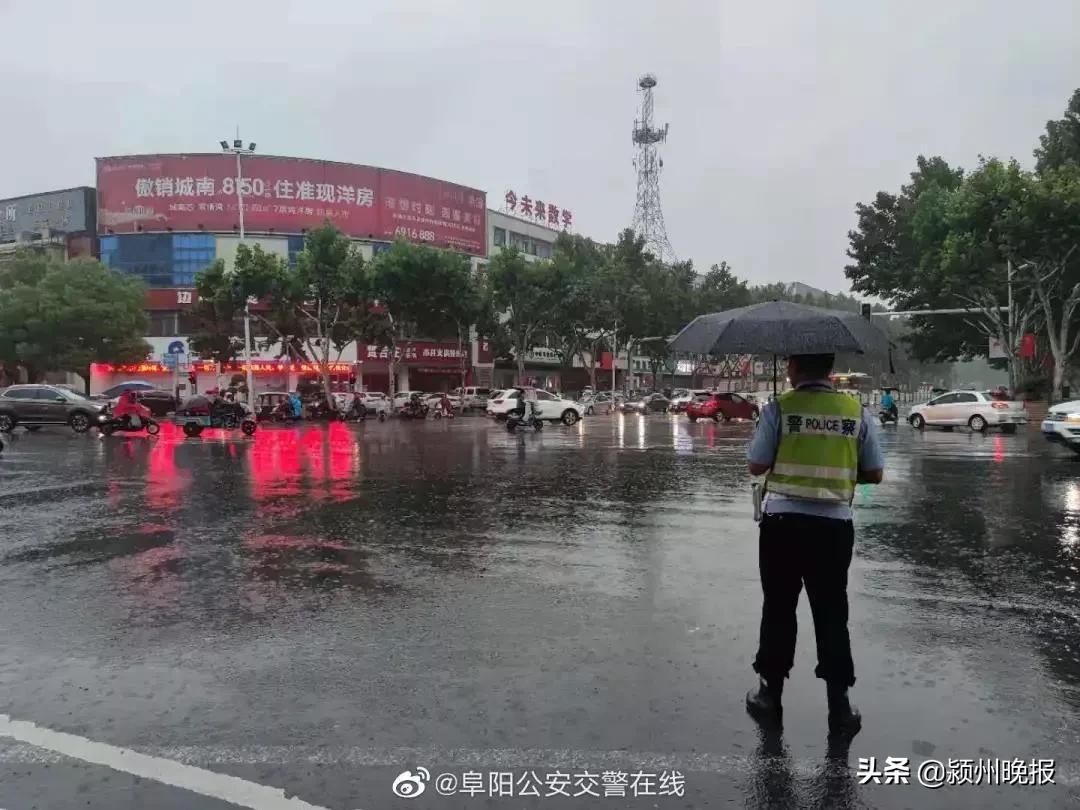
{"x": 796, "y": 550}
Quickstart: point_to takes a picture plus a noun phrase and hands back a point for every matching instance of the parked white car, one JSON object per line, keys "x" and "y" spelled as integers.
{"x": 431, "y": 400}
{"x": 681, "y": 397}
{"x": 759, "y": 398}
{"x": 376, "y": 402}
{"x": 975, "y": 409}
{"x": 401, "y": 397}
{"x": 601, "y": 402}
{"x": 1062, "y": 425}
{"x": 473, "y": 397}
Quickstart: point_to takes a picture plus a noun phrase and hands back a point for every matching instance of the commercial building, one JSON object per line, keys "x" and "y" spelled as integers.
{"x": 532, "y": 239}
{"x": 164, "y": 218}
{"x": 61, "y": 223}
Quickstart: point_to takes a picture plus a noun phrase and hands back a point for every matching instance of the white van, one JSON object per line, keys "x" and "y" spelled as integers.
{"x": 473, "y": 397}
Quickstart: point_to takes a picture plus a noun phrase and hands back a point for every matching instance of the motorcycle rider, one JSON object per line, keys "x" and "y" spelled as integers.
{"x": 888, "y": 404}
{"x": 415, "y": 405}
{"x": 130, "y": 411}
{"x": 445, "y": 405}
{"x": 525, "y": 410}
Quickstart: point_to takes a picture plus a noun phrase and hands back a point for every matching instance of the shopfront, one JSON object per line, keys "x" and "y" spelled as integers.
{"x": 199, "y": 376}
{"x": 421, "y": 366}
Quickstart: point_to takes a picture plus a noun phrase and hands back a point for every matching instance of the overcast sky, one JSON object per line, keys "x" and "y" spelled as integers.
{"x": 783, "y": 114}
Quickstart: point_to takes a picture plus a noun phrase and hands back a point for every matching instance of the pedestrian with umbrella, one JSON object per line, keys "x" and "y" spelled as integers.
{"x": 813, "y": 445}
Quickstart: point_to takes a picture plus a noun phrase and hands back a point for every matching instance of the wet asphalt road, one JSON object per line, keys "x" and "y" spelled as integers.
{"x": 318, "y": 609}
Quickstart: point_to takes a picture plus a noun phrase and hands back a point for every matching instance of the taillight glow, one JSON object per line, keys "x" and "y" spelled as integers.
{"x": 999, "y": 406}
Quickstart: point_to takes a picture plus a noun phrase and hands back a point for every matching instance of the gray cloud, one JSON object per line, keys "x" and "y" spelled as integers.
{"x": 782, "y": 114}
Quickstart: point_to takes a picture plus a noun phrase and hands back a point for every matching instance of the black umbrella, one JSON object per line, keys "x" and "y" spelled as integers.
{"x": 780, "y": 328}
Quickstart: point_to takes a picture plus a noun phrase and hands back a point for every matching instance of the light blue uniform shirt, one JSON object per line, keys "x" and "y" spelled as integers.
{"x": 762, "y": 450}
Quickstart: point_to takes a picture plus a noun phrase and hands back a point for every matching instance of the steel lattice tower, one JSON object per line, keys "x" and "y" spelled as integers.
{"x": 648, "y": 216}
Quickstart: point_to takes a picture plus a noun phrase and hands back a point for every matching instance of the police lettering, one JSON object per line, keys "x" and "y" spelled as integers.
{"x": 819, "y": 423}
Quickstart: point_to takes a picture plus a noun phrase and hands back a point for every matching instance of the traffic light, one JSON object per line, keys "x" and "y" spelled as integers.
{"x": 191, "y": 380}
{"x": 866, "y": 311}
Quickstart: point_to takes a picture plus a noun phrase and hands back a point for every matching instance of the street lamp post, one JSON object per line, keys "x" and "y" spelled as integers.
{"x": 238, "y": 149}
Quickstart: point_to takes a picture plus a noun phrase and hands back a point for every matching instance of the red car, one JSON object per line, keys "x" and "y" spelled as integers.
{"x": 722, "y": 406}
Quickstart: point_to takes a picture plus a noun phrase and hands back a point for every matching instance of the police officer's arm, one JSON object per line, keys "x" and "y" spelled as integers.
{"x": 871, "y": 460}
{"x": 761, "y": 452}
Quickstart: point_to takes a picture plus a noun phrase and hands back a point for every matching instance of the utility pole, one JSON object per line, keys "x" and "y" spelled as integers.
{"x": 614, "y": 359}
{"x": 238, "y": 149}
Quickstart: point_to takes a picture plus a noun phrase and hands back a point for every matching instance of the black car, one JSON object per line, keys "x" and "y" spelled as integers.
{"x": 159, "y": 401}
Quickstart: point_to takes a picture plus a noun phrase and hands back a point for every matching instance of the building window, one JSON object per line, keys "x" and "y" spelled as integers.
{"x": 107, "y": 246}
{"x": 162, "y": 323}
{"x": 145, "y": 256}
{"x": 192, "y": 253}
{"x": 185, "y": 322}
{"x": 500, "y": 237}
{"x": 543, "y": 249}
{"x": 296, "y": 244}
{"x": 160, "y": 260}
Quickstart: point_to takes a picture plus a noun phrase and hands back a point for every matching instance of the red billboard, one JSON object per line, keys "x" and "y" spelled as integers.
{"x": 286, "y": 195}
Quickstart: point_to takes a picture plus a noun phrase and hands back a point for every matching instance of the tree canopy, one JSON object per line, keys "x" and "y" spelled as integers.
{"x": 1001, "y": 241}
{"x": 64, "y": 316}
{"x": 1060, "y": 144}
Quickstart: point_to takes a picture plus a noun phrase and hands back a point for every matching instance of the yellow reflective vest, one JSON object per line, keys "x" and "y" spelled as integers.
{"x": 818, "y": 456}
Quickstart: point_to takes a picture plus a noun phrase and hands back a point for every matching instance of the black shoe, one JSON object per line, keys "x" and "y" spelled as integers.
{"x": 763, "y": 704}
{"x": 844, "y": 719}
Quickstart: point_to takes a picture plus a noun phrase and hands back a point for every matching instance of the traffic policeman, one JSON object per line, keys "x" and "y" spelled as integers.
{"x": 813, "y": 444}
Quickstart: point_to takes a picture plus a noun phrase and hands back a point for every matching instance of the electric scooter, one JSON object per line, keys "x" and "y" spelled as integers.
{"x": 515, "y": 420}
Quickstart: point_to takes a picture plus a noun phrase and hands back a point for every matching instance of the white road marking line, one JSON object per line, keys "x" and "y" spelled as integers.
{"x": 197, "y": 780}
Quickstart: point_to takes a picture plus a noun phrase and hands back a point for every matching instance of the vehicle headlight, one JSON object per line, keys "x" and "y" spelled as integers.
{"x": 1070, "y": 417}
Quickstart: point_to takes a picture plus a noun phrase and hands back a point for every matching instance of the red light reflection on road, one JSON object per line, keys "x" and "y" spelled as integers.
{"x": 275, "y": 463}
{"x": 280, "y": 459}
{"x": 270, "y": 542}
{"x": 710, "y": 435}
{"x": 165, "y": 484}
{"x": 999, "y": 449}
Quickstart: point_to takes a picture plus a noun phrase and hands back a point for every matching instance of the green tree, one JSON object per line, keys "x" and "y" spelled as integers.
{"x": 973, "y": 264}
{"x": 64, "y": 316}
{"x": 312, "y": 310}
{"x": 1042, "y": 236}
{"x": 426, "y": 291}
{"x": 721, "y": 290}
{"x": 323, "y": 303}
{"x": 526, "y": 297}
{"x": 1060, "y": 144}
{"x": 899, "y": 245}
{"x": 623, "y": 285}
{"x": 216, "y": 313}
{"x": 581, "y": 325}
